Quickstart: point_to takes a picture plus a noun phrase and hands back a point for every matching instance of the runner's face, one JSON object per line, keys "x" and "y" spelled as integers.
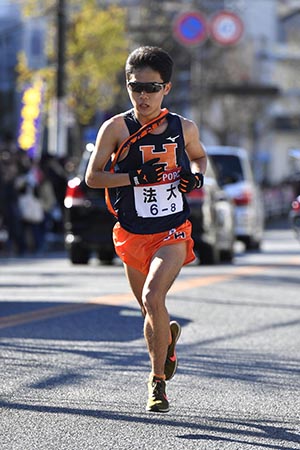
{"x": 147, "y": 105}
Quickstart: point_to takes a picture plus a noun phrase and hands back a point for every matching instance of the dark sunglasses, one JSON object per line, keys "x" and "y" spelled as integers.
{"x": 136, "y": 86}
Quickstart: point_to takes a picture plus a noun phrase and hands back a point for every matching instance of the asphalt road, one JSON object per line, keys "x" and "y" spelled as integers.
{"x": 73, "y": 365}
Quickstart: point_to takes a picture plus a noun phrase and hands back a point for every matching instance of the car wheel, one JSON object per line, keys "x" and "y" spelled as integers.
{"x": 208, "y": 254}
{"x": 79, "y": 254}
{"x": 251, "y": 243}
{"x": 227, "y": 255}
{"x": 106, "y": 256}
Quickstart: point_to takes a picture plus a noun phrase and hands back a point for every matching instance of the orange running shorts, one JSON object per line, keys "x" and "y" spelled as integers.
{"x": 137, "y": 250}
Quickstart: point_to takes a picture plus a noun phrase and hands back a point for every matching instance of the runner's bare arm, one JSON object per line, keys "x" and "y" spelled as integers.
{"x": 193, "y": 146}
{"x": 109, "y": 137}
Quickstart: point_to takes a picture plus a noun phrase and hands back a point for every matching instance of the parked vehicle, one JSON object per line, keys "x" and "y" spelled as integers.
{"x": 87, "y": 222}
{"x": 212, "y": 217}
{"x": 294, "y": 216}
{"x": 236, "y": 177}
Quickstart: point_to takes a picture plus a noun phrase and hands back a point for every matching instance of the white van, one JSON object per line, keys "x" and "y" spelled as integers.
{"x": 236, "y": 177}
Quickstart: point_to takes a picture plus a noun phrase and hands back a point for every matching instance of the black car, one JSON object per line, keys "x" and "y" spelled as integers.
{"x": 87, "y": 222}
{"x": 212, "y": 217}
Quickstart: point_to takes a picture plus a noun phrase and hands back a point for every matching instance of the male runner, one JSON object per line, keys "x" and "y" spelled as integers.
{"x": 153, "y": 234}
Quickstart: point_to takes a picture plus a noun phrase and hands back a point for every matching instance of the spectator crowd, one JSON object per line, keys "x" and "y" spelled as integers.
{"x": 31, "y": 201}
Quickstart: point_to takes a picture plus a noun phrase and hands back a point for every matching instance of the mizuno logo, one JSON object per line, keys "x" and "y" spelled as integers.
{"x": 172, "y": 139}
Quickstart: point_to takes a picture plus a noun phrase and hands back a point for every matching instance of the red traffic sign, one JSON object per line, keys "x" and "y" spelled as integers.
{"x": 226, "y": 28}
{"x": 190, "y": 28}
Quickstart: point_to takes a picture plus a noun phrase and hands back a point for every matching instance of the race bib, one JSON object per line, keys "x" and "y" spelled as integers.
{"x": 158, "y": 200}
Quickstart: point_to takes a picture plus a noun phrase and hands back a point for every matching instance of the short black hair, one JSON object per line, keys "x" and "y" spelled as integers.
{"x": 154, "y": 57}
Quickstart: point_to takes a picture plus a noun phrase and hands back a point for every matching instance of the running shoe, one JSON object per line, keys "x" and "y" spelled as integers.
{"x": 157, "y": 400}
{"x": 172, "y": 361}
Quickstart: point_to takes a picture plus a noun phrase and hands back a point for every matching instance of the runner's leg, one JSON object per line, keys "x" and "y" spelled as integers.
{"x": 165, "y": 266}
{"x": 136, "y": 281}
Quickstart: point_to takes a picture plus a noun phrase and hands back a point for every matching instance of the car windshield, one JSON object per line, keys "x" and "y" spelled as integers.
{"x": 228, "y": 168}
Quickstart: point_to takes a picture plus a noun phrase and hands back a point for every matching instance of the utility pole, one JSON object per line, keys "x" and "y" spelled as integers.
{"x": 61, "y": 48}
{"x": 57, "y": 144}
{"x": 61, "y": 140}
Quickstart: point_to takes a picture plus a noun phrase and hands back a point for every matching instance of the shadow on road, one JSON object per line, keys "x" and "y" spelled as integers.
{"x": 71, "y": 321}
{"x": 236, "y": 430}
